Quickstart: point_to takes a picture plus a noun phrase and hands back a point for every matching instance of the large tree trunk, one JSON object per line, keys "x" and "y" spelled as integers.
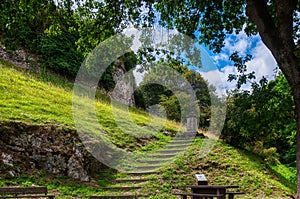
{"x": 277, "y": 34}
{"x": 291, "y": 70}
{"x": 297, "y": 116}
{"x": 295, "y": 84}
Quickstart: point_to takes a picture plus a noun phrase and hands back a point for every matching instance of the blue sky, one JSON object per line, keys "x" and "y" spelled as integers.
{"x": 217, "y": 67}
{"x": 263, "y": 63}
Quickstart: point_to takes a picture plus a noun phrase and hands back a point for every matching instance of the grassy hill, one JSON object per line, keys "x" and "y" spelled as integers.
{"x": 34, "y": 99}
{"x": 37, "y": 99}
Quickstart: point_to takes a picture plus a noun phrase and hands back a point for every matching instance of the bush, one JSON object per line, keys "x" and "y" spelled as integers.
{"x": 58, "y": 51}
{"x": 270, "y": 155}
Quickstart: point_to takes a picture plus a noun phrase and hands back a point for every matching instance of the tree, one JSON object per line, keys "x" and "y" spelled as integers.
{"x": 153, "y": 94}
{"x": 60, "y": 33}
{"x": 276, "y": 21}
{"x": 22, "y": 21}
{"x": 263, "y": 119}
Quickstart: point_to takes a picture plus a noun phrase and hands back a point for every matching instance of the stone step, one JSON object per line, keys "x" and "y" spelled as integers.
{"x": 187, "y": 134}
{"x": 140, "y": 173}
{"x": 152, "y": 161}
{"x": 132, "y": 180}
{"x": 163, "y": 156}
{"x": 180, "y": 141}
{"x": 162, "y": 162}
{"x": 132, "y": 196}
{"x": 169, "y": 151}
{"x": 147, "y": 168}
{"x": 176, "y": 146}
{"x": 120, "y": 188}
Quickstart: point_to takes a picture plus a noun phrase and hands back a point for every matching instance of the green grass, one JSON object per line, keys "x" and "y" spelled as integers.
{"x": 36, "y": 99}
{"x": 226, "y": 165}
{"x": 65, "y": 186}
{"x": 26, "y": 99}
{"x": 286, "y": 174}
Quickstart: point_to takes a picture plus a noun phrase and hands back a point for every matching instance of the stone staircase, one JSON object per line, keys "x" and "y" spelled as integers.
{"x": 130, "y": 185}
{"x": 133, "y": 184}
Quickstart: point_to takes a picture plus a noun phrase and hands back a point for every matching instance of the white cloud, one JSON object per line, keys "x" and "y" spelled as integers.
{"x": 220, "y": 57}
{"x": 263, "y": 63}
{"x": 218, "y": 78}
{"x": 239, "y": 43}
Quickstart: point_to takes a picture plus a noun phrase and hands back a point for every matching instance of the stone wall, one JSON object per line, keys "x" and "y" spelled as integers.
{"x": 50, "y": 148}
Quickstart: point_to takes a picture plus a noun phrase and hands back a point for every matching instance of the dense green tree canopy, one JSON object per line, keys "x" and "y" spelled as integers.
{"x": 265, "y": 116}
{"x": 153, "y": 94}
{"x": 62, "y": 33}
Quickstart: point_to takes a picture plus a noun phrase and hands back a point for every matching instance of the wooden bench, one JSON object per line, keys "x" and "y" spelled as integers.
{"x": 185, "y": 195}
{"x": 28, "y": 192}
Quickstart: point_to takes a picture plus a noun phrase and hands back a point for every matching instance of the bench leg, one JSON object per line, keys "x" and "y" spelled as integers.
{"x": 230, "y": 196}
{"x": 184, "y": 197}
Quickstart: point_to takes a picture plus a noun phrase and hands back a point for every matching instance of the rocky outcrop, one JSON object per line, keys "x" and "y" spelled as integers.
{"x": 20, "y": 58}
{"x": 125, "y": 85}
{"x": 51, "y": 148}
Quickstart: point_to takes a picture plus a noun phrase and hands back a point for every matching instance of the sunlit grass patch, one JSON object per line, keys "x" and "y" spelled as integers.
{"x": 34, "y": 99}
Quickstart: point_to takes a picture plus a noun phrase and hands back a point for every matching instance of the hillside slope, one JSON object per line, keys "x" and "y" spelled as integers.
{"x": 27, "y": 99}
{"x": 226, "y": 165}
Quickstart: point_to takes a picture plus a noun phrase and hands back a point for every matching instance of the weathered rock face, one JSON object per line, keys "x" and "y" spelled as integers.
{"x": 50, "y": 148}
{"x": 125, "y": 84}
{"x": 20, "y": 58}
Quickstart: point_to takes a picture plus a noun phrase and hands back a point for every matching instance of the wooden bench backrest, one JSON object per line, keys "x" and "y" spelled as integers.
{"x": 21, "y": 190}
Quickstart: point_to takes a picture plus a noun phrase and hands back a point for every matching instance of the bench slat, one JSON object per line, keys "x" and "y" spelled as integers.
{"x": 30, "y": 196}
{"x": 22, "y": 190}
